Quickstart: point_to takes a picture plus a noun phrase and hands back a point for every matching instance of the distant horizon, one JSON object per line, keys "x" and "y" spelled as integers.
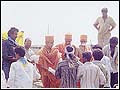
{"x": 76, "y": 17}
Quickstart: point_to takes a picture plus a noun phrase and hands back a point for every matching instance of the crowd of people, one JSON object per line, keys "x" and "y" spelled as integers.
{"x": 63, "y": 65}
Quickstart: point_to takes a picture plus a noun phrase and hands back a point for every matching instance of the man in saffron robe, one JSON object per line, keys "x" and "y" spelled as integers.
{"x": 49, "y": 57}
{"x": 82, "y": 47}
{"x": 61, "y": 47}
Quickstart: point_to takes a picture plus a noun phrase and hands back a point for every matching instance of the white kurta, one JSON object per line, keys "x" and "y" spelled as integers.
{"x": 22, "y": 76}
{"x": 106, "y": 73}
{"x": 90, "y": 76}
{"x": 4, "y": 85}
{"x": 106, "y": 61}
{"x": 29, "y": 53}
{"x": 107, "y": 52}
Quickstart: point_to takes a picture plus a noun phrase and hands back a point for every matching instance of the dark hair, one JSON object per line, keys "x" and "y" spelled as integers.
{"x": 87, "y": 55}
{"x": 114, "y": 40}
{"x": 97, "y": 47}
{"x": 69, "y": 48}
{"x": 20, "y": 50}
{"x": 104, "y": 10}
{"x": 12, "y": 30}
{"x": 98, "y": 54}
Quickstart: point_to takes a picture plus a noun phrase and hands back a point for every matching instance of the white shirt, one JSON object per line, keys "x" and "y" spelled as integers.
{"x": 22, "y": 76}
{"x": 104, "y": 70}
{"x": 107, "y": 52}
{"x": 4, "y": 85}
{"x": 106, "y": 61}
{"x": 90, "y": 76}
{"x": 29, "y": 53}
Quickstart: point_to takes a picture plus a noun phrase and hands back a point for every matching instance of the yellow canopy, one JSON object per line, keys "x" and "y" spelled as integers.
{"x": 19, "y": 38}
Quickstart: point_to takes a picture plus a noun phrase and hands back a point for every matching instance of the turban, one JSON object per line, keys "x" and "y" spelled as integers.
{"x": 83, "y": 38}
{"x": 49, "y": 38}
{"x": 104, "y": 10}
{"x": 68, "y": 36}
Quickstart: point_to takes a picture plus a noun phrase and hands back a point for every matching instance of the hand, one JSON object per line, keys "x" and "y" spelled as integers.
{"x": 77, "y": 58}
{"x": 31, "y": 62}
{"x": 51, "y": 70}
{"x": 98, "y": 28}
{"x": 12, "y": 58}
{"x": 109, "y": 30}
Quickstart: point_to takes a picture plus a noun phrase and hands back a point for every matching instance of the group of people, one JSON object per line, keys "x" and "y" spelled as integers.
{"x": 63, "y": 65}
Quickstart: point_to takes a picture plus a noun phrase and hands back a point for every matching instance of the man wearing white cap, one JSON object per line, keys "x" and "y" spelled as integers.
{"x": 28, "y": 51}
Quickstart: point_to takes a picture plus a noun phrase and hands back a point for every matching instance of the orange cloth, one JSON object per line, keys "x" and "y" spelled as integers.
{"x": 84, "y": 48}
{"x": 79, "y": 54}
{"x": 49, "y": 38}
{"x": 78, "y": 84}
{"x": 68, "y": 36}
{"x": 104, "y": 9}
{"x": 48, "y": 60}
{"x": 83, "y": 38}
{"x": 61, "y": 48}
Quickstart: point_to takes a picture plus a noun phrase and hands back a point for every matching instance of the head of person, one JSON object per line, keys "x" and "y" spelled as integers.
{"x": 83, "y": 40}
{"x": 97, "y": 46}
{"x": 97, "y": 54}
{"x": 104, "y": 11}
{"x": 13, "y": 32}
{"x": 69, "y": 52}
{"x": 68, "y": 39}
{"x": 27, "y": 43}
{"x": 87, "y": 57}
{"x": 49, "y": 41}
{"x": 20, "y": 52}
{"x": 113, "y": 42}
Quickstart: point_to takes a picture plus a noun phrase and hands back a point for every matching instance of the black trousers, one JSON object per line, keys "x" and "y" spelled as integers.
{"x": 114, "y": 79}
